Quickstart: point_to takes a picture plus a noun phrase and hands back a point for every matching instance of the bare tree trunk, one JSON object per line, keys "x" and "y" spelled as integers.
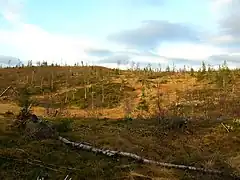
{"x": 92, "y": 100}
{"x": 27, "y": 80}
{"x": 88, "y": 147}
{"x": 32, "y": 78}
{"x": 66, "y": 98}
{"x": 42, "y": 85}
{"x": 102, "y": 93}
{"x": 85, "y": 89}
{"x": 52, "y": 82}
{"x": 73, "y": 95}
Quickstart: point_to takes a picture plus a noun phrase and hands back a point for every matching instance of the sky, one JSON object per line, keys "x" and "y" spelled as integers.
{"x": 115, "y": 33}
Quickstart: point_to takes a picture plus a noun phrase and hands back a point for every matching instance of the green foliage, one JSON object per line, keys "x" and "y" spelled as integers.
{"x": 38, "y": 90}
{"x": 234, "y": 125}
{"x": 44, "y": 63}
{"x": 168, "y": 69}
{"x": 117, "y": 71}
{"x": 192, "y": 71}
{"x": 201, "y": 73}
{"x": 209, "y": 69}
{"x": 24, "y": 97}
{"x": 142, "y": 105}
{"x": 128, "y": 118}
{"x": 64, "y": 125}
{"x": 223, "y": 77}
{"x": 203, "y": 67}
{"x": 173, "y": 123}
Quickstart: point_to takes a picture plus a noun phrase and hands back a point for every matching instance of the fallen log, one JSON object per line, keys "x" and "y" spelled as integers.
{"x": 110, "y": 153}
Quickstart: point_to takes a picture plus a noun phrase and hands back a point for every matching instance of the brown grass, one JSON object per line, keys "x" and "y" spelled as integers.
{"x": 204, "y": 144}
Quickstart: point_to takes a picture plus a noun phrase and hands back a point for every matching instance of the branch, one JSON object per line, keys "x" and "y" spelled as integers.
{"x": 39, "y": 163}
{"x": 225, "y": 127}
{"x": 5, "y": 91}
{"x": 31, "y": 162}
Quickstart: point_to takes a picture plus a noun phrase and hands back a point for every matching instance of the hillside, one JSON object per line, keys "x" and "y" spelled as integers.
{"x": 136, "y": 111}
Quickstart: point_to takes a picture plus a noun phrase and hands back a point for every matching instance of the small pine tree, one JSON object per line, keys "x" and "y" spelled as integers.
{"x": 209, "y": 68}
{"x": 44, "y": 63}
{"x": 143, "y": 106}
{"x": 192, "y": 71}
{"x": 203, "y": 67}
{"x": 168, "y": 69}
{"x": 224, "y": 76}
{"x": 201, "y": 74}
{"x": 24, "y": 97}
{"x": 30, "y": 63}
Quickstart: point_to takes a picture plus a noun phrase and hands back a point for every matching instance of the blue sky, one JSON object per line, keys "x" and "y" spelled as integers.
{"x": 109, "y": 15}
{"x": 108, "y": 32}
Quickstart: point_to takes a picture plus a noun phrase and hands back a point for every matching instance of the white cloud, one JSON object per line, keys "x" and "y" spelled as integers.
{"x": 195, "y": 52}
{"x": 11, "y": 9}
{"x": 149, "y": 59}
{"x": 113, "y": 65}
{"x": 218, "y": 6}
{"x": 34, "y": 42}
{"x": 37, "y": 44}
{"x": 226, "y": 38}
{"x": 227, "y": 16}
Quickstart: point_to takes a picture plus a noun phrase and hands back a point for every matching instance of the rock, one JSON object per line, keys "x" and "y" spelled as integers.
{"x": 39, "y": 130}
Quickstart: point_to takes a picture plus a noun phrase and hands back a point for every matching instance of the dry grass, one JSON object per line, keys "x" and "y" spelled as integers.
{"x": 205, "y": 142}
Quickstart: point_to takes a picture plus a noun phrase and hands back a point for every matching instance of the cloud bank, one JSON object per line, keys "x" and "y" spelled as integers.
{"x": 155, "y": 41}
{"x": 151, "y": 33}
